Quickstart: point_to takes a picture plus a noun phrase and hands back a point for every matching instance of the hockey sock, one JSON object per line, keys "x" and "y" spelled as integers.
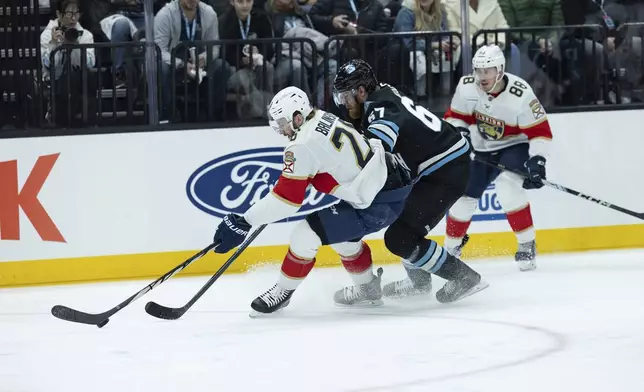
{"x": 514, "y": 200}
{"x": 356, "y": 259}
{"x": 428, "y": 256}
{"x": 458, "y": 221}
{"x": 294, "y": 270}
{"x": 521, "y": 223}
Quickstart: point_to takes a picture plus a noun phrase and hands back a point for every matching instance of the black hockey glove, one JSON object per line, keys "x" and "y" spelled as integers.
{"x": 536, "y": 166}
{"x": 398, "y": 175}
{"x": 232, "y": 231}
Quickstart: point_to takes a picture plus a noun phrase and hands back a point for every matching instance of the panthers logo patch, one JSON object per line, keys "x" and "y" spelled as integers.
{"x": 490, "y": 128}
{"x": 289, "y": 162}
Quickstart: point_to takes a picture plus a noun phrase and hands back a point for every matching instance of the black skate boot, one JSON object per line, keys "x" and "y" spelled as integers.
{"x": 271, "y": 301}
{"x": 462, "y": 281}
{"x": 526, "y": 256}
{"x": 418, "y": 282}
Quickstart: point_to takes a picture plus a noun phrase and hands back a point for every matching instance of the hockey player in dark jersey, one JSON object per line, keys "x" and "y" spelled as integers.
{"x": 437, "y": 155}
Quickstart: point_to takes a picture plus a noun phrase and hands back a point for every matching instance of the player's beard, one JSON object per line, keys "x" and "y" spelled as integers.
{"x": 355, "y": 112}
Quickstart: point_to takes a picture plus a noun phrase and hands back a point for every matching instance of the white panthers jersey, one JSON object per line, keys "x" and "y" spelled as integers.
{"x": 330, "y": 155}
{"x": 497, "y": 121}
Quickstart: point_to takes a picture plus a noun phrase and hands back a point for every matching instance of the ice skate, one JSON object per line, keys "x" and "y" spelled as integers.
{"x": 526, "y": 256}
{"x": 456, "y": 252}
{"x": 466, "y": 285}
{"x": 418, "y": 282}
{"x": 271, "y": 301}
{"x": 368, "y": 294}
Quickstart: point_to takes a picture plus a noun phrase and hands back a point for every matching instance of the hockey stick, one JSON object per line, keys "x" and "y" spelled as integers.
{"x": 100, "y": 319}
{"x": 167, "y": 313}
{"x": 569, "y": 191}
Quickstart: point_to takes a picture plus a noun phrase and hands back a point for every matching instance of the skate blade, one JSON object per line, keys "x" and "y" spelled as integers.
{"x": 479, "y": 287}
{"x": 362, "y": 304}
{"x": 482, "y": 285}
{"x": 255, "y": 314}
{"x": 413, "y": 293}
{"x": 527, "y": 267}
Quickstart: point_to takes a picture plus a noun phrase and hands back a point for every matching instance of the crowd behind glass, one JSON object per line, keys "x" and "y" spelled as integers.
{"x": 222, "y": 60}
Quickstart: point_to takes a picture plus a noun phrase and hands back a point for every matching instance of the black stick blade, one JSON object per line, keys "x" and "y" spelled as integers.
{"x": 69, "y": 314}
{"x": 163, "y": 312}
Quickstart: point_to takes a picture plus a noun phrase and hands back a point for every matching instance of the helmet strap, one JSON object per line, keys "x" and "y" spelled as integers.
{"x": 499, "y": 76}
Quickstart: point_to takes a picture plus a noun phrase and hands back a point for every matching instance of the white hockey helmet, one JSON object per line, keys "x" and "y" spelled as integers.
{"x": 285, "y": 105}
{"x": 490, "y": 56}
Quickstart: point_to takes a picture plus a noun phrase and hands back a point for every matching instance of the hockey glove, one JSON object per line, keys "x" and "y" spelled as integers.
{"x": 232, "y": 231}
{"x": 536, "y": 166}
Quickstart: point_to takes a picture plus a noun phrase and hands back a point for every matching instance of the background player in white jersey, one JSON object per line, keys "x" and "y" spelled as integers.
{"x": 507, "y": 125}
{"x": 330, "y": 155}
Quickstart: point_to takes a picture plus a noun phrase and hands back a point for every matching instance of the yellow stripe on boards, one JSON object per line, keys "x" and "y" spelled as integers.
{"x": 153, "y": 265}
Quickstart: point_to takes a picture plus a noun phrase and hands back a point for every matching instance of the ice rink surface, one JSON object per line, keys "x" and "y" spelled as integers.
{"x": 574, "y": 324}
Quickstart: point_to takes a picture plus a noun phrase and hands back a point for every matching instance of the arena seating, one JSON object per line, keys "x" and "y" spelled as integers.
{"x": 92, "y": 97}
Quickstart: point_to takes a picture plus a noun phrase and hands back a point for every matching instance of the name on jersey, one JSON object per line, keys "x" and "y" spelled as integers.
{"x": 326, "y": 123}
{"x": 490, "y": 128}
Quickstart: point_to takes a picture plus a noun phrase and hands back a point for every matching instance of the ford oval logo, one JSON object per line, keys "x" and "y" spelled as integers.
{"x": 234, "y": 182}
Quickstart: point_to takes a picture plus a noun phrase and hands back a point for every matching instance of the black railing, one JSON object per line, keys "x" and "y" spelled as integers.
{"x": 568, "y": 67}
{"x": 236, "y": 84}
{"x": 397, "y": 59}
{"x": 628, "y": 58}
{"x": 86, "y": 88}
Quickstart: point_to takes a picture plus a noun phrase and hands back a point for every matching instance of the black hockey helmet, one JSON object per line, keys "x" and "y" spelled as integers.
{"x": 350, "y": 77}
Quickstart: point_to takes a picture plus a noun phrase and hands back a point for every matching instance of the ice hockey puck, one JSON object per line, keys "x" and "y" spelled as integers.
{"x": 102, "y": 323}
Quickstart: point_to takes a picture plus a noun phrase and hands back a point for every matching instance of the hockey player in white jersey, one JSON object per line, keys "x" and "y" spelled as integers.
{"x": 507, "y": 125}
{"x": 330, "y": 155}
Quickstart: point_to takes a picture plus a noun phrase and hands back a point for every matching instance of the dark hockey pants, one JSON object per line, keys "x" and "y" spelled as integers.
{"x": 429, "y": 201}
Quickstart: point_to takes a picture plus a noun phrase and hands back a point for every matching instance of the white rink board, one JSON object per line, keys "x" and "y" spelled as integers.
{"x": 126, "y": 193}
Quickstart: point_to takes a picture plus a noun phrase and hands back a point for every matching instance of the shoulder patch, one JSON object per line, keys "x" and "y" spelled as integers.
{"x": 537, "y": 109}
{"x": 289, "y": 162}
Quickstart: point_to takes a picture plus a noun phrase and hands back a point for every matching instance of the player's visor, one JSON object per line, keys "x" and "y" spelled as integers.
{"x": 486, "y": 73}
{"x": 344, "y": 97}
{"x": 279, "y": 125}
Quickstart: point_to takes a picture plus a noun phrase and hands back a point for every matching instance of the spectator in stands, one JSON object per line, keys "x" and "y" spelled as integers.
{"x": 443, "y": 55}
{"x": 534, "y": 13}
{"x": 188, "y": 22}
{"x": 606, "y": 51}
{"x": 61, "y": 73}
{"x": 392, "y": 7}
{"x": 294, "y": 61}
{"x": 65, "y": 29}
{"x": 485, "y": 14}
{"x": 621, "y": 47}
{"x": 541, "y": 65}
{"x": 254, "y": 76}
{"x": 334, "y": 17}
{"x": 121, "y": 27}
{"x": 222, "y": 6}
